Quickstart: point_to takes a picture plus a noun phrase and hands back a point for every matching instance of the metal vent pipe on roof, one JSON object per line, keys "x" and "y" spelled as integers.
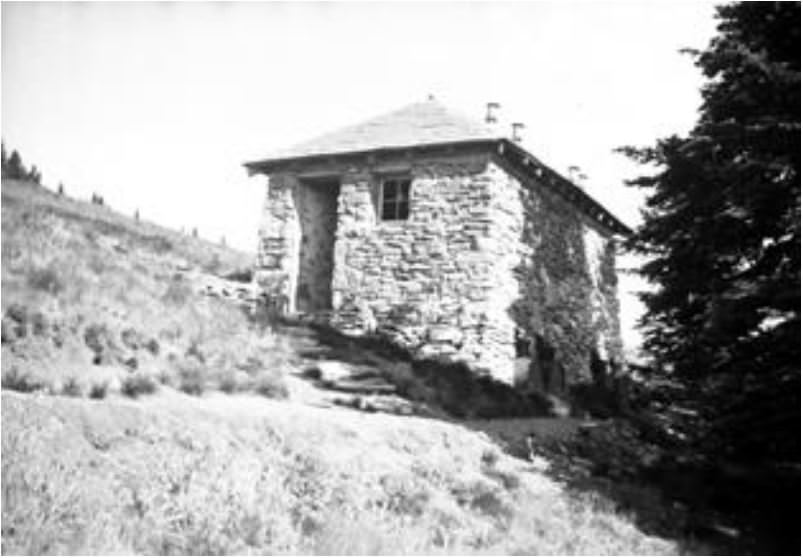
{"x": 490, "y": 116}
{"x": 516, "y": 127}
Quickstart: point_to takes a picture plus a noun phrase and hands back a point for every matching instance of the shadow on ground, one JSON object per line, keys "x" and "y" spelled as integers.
{"x": 370, "y": 375}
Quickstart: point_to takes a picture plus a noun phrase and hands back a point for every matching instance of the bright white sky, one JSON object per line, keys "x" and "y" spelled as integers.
{"x": 156, "y": 105}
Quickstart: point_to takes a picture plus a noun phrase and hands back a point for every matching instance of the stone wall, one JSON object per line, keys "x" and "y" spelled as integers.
{"x": 277, "y": 259}
{"x": 424, "y": 282}
{"x": 566, "y": 310}
{"x": 490, "y": 266}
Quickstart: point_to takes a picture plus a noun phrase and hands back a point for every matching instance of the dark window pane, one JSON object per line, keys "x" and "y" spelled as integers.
{"x": 404, "y": 190}
{"x": 388, "y": 211}
{"x": 395, "y": 199}
{"x": 389, "y": 190}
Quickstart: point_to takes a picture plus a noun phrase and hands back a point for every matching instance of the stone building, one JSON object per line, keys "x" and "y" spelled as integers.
{"x": 449, "y": 239}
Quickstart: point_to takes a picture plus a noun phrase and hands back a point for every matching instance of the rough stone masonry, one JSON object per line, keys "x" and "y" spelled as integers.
{"x": 497, "y": 261}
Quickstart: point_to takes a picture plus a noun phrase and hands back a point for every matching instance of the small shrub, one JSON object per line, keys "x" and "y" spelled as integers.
{"x": 99, "y": 390}
{"x": 45, "y": 279}
{"x": 240, "y": 275}
{"x": 510, "y": 481}
{"x": 165, "y": 377}
{"x": 99, "y": 340}
{"x": 152, "y": 346}
{"x": 212, "y": 265}
{"x": 17, "y": 312}
{"x": 178, "y": 291}
{"x": 191, "y": 377}
{"x": 131, "y": 338}
{"x": 15, "y": 322}
{"x": 228, "y": 382}
{"x": 232, "y": 381}
{"x": 489, "y": 458}
{"x": 312, "y": 373}
{"x": 484, "y": 499}
{"x": 39, "y": 323}
{"x": 9, "y": 330}
{"x": 137, "y": 384}
{"x": 272, "y": 385}
{"x": 72, "y": 387}
{"x": 97, "y": 264}
{"x": 20, "y": 381}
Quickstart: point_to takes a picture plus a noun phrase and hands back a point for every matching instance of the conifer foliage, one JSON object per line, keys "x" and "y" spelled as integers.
{"x": 721, "y": 237}
{"x": 14, "y": 168}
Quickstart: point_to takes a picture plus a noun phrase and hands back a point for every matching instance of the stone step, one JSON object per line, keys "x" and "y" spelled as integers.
{"x": 354, "y": 386}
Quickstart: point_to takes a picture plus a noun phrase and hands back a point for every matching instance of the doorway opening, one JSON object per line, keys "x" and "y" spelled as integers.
{"x": 316, "y": 203}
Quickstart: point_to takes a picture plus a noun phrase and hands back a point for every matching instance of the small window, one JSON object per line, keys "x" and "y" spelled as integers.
{"x": 394, "y": 200}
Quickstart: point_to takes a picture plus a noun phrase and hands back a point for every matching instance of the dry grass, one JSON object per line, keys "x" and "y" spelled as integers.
{"x": 191, "y": 476}
{"x": 94, "y": 303}
{"x": 95, "y": 307}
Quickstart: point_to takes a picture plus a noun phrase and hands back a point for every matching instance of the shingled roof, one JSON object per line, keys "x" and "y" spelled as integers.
{"x": 429, "y": 124}
{"x": 423, "y": 123}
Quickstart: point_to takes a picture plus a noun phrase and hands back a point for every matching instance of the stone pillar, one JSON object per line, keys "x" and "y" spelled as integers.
{"x": 279, "y": 237}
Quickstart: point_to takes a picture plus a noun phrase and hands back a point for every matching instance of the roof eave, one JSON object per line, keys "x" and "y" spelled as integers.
{"x": 578, "y": 197}
{"x": 267, "y": 166}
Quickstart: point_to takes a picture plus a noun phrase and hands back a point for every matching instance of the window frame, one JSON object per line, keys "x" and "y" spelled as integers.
{"x": 402, "y": 183}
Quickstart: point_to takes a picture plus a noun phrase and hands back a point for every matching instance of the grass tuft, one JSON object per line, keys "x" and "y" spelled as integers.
{"x": 272, "y": 385}
{"x": 45, "y": 279}
{"x": 138, "y": 384}
{"x": 191, "y": 376}
{"x": 98, "y": 390}
{"x": 72, "y": 387}
{"x": 20, "y": 381}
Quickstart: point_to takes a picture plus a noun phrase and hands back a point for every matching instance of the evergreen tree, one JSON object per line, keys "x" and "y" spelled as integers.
{"x": 721, "y": 236}
{"x": 14, "y": 167}
{"x": 34, "y": 175}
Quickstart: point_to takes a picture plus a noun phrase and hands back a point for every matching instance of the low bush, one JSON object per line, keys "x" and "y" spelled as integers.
{"x": 20, "y": 381}
{"x": 98, "y": 390}
{"x": 233, "y": 381}
{"x": 191, "y": 376}
{"x": 72, "y": 387}
{"x": 272, "y": 385}
{"x": 178, "y": 292}
{"x": 100, "y": 341}
{"x": 245, "y": 275}
{"x": 138, "y": 384}
{"x": 45, "y": 279}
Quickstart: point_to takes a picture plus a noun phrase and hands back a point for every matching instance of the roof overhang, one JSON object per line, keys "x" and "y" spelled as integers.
{"x": 526, "y": 167}
{"x": 280, "y": 164}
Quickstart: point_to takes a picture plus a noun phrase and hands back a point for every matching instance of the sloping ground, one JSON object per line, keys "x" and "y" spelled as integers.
{"x": 94, "y": 302}
{"x": 163, "y": 445}
{"x": 186, "y": 250}
{"x": 239, "y": 474}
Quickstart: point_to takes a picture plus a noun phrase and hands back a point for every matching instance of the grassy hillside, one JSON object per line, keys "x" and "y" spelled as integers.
{"x": 140, "y": 416}
{"x": 95, "y": 302}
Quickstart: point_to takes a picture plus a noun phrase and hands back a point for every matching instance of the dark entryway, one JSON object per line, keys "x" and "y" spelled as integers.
{"x": 316, "y": 203}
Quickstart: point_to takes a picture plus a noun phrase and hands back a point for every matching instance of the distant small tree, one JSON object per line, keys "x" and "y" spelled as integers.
{"x": 136, "y": 215}
{"x": 194, "y": 232}
{"x": 61, "y": 188}
{"x": 34, "y": 175}
{"x": 4, "y": 157}
{"x": 14, "y": 167}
